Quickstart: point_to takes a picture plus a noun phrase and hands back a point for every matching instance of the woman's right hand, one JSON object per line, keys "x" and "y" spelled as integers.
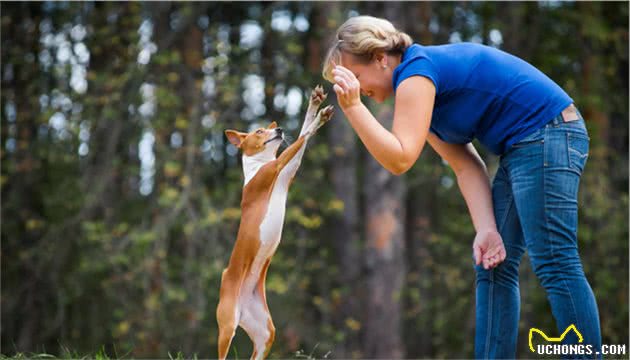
{"x": 347, "y": 87}
{"x": 488, "y": 249}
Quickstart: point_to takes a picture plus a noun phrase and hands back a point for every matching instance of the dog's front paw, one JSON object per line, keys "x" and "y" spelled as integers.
{"x": 318, "y": 96}
{"x": 325, "y": 115}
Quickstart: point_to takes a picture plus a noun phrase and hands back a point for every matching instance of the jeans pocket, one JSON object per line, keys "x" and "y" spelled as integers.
{"x": 578, "y": 145}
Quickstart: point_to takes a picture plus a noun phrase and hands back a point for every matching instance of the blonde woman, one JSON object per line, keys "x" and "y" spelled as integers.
{"x": 447, "y": 95}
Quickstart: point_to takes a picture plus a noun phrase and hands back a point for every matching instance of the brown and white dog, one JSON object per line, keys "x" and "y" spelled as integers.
{"x": 242, "y": 300}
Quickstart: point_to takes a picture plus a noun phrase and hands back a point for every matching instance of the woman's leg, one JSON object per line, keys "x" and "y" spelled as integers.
{"x": 498, "y": 298}
{"x": 545, "y": 178}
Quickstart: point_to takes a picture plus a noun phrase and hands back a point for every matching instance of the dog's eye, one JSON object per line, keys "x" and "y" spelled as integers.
{"x": 259, "y": 132}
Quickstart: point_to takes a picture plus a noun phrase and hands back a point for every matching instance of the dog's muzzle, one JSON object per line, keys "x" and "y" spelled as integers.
{"x": 279, "y": 133}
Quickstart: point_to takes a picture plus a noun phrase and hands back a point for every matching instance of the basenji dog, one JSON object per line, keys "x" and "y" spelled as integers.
{"x": 242, "y": 299}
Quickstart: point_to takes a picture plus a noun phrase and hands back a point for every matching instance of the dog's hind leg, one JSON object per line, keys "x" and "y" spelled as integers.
{"x": 256, "y": 318}
{"x": 228, "y": 312}
{"x": 261, "y": 292}
{"x": 256, "y": 321}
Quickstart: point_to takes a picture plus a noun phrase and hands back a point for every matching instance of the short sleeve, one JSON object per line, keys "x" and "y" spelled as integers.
{"x": 419, "y": 66}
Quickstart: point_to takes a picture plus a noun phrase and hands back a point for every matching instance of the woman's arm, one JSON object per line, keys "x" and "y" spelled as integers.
{"x": 399, "y": 149}
{"x": 472, "y": 178}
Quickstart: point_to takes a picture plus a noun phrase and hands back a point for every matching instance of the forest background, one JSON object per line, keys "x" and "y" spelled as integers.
{"x": 120, "y": 193}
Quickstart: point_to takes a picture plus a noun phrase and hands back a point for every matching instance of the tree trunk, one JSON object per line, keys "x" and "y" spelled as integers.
{"x": 345, "y": 227}
{"x": 384, "y": 260}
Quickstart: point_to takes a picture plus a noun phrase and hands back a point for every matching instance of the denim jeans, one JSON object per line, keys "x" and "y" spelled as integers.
{"x": 535, "y": 203}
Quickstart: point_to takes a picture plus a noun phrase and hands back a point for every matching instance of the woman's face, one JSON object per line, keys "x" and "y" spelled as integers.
{"x": 375, "y": 77}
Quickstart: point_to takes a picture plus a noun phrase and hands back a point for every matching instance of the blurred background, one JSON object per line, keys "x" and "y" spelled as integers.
{"x": 121, "y": 196}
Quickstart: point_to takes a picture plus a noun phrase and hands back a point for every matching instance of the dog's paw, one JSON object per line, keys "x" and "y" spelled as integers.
{"x": 318, "y": 95}
{"x": 325, "y": 115}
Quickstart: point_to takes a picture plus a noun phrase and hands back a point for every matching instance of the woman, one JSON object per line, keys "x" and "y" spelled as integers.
{"x": 448, "y": 95}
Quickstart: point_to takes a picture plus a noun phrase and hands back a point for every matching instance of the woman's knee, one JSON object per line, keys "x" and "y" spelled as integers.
{"x": 554, "y": 268}
{"x": 505, "y": 274}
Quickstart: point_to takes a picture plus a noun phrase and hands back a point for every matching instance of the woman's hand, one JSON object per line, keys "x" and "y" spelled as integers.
{"x": 488, "y": 249}
{"x": 347, "y": 87}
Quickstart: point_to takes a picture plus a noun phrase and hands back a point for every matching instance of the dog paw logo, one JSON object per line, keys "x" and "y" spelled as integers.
{"x": 553, "y": 339}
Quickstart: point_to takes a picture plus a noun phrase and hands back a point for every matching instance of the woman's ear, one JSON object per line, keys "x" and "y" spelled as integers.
{"x": 381, "y": 59}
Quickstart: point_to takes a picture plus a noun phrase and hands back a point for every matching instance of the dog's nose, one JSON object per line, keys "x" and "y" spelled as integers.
{"x": 279, "y": 131}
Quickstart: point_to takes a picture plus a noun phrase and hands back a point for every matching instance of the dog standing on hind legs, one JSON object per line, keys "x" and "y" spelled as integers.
{"x": 242, "y": 300}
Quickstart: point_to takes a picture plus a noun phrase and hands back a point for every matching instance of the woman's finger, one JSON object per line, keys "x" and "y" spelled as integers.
{"x": 493, "y": 252}
{"x": 338, "y": 90}
{"x": 346, "y": 74}
{"x": 500, "y": 255}
{"x": 494, "y": 260}
{"x": 353, "y": 83}
{"x": 346, "y": 71}
{"x": 342, "y": 83}
{"x": 342, "y": 75}
{"x": 477, "y": 254}
{"x": 499, "y": 258}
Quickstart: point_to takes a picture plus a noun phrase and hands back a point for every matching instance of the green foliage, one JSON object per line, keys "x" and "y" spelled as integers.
{"x": 104, "y": 247}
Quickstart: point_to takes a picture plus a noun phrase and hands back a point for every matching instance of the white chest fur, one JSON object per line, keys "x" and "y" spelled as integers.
{"x": 273, "y": 221}
{"x": 270, "y": 230}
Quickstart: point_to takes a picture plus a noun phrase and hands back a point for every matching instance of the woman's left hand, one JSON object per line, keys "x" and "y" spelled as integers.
{"x": 347, "y": 87}
{"x": 488, "y": 249}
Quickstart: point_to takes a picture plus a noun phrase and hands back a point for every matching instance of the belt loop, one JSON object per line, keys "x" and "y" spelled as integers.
{"x": 558, "y": 119}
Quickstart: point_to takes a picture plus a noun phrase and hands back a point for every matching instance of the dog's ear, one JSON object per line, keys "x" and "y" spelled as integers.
{"x": 235, "y": 137}
{"x": 273, "y": 125}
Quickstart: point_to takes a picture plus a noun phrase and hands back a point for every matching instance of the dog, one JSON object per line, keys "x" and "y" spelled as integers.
{"x": 242, "y": 299}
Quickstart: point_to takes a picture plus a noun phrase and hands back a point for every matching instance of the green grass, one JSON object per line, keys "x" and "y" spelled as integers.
{"x": 302, "y": 355}
{"x": 101, "y": 354}
{"x": 66, "y": 354}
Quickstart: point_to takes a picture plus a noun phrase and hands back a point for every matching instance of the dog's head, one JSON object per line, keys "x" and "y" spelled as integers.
{"x": 261, "y": 143}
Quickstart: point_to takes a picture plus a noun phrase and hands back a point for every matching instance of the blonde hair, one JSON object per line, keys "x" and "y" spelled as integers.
{"x": 363, "y": 37}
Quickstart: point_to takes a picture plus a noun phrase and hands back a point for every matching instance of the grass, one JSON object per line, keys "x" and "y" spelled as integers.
{"x": 101, "y": 354}
{"x": 65, "y": 354}
{"x": 302, "y": 355}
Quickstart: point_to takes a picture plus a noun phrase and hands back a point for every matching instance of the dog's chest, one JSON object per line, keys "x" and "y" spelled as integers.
{"x": 271, "y": 226}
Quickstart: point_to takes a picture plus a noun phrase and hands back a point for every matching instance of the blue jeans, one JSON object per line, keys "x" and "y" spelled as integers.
{"x": 535, "y": 203}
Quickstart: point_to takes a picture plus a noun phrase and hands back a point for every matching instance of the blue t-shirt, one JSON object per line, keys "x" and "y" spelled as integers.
{"x": 483, "y": 93}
